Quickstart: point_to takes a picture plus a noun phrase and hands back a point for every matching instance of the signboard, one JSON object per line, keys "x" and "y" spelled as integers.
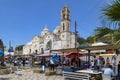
{"x": 10, "y": 50}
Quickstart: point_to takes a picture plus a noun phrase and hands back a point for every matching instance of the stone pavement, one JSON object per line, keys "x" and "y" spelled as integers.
{"x": 30, "y": 76}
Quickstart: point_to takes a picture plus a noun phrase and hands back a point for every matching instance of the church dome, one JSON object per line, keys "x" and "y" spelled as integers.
{"x": 57, "y": 29}
{"x": 29, "y": 43}
{"x": 45, "y": 31}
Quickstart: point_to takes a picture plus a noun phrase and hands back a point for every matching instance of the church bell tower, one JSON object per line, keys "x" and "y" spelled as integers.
{"x": 65, "y": 19}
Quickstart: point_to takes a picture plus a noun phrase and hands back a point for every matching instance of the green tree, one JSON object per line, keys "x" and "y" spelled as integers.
{"x": 112, "y": 14}
{"x": 102, "y": 31}
{"x": 90, "y": 39}
{"x": 81, "y": 40}
{"x": 19, "y": 48}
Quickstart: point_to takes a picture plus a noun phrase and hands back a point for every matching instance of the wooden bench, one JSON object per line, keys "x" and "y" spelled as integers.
{"x": 75, "y": 76}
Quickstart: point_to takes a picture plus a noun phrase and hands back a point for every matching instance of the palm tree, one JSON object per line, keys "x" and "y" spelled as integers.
{"x": 103, "y": 34}
{"x": 108, "y": 35}
{"x": 102, "y": 31}
{"x": 112, "y": 14}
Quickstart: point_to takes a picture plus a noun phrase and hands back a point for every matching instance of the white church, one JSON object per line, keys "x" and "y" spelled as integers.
{"x": 60, "y": 38}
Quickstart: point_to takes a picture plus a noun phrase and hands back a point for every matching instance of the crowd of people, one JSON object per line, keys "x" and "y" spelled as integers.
{"x": 16, "y": 61}
{"x": 106, "y": 65}
{"x": 97, "y": 63}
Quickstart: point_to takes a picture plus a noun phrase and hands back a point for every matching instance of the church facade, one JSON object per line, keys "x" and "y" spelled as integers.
{"x": 60, "y": 38}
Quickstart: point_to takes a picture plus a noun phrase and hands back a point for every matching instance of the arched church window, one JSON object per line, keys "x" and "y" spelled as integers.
{"x": 49, "y": 45}
{"x": 63, "y": 27}
{"x": 48, "y": 36}
{"x": 63, "y": 16}
{"x": 36, "y": 51}
{"x": 42, "y": 51}
{"x": 68, "y": 16}
{"x": 58, "y": 31}
{"x": 30, "y": 50}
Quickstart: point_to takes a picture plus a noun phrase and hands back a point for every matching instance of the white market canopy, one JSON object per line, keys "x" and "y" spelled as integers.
{"x": 95, "y": 51}
{"x": 107, "y": 55}
{"x": 99, "y": 44}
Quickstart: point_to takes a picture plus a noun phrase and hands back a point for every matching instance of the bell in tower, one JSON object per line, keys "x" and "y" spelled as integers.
{"x": 65, "y": 19}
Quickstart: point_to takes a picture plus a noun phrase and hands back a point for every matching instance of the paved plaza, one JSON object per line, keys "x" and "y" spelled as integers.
{"x": 30, "y": 76}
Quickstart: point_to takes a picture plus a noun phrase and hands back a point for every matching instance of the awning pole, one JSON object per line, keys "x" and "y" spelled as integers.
{"x": 88, "y": 58}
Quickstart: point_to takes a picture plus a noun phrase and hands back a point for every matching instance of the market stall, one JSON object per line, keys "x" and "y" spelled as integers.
{"x": 94, "y": 75}
{"x": 106, "y": 55}
{"x": 74, "y": 55}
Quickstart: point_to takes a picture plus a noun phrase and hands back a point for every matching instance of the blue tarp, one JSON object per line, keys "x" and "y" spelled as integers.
{"x": 55, "y": 58}
{"x": 1, "y": 53}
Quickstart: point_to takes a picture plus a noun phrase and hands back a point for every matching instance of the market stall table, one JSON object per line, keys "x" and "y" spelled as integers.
{"x": 92, "y": 73}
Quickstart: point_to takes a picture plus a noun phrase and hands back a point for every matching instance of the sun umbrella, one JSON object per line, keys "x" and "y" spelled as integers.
{"x": 6, "y": 56}
{"x": 74, "y": 55}
{"x": 1, "y": 53}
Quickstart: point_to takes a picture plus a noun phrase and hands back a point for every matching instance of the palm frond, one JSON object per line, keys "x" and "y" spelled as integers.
{"x": 112, "y": 13}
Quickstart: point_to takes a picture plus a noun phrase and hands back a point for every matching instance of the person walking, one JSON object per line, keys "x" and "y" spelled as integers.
{"x": 107, "y": 61}
{"x": 119, "y": 70}
{"x": 43, "y": 63}
{"x": 33, "y": 62}
{"x": 92, "y": 64}
{"x": 15, "y": 62}
{"x": 113, "y": 61}
{"x": 52, "y": 64}
{"x": 23, "y": 62}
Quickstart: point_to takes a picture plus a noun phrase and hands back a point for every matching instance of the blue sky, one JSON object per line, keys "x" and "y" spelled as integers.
{"x": 21, "y": 20}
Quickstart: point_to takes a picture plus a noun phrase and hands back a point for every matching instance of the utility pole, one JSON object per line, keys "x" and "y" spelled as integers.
{"x": 76, "y": 35}
{"x": 76, "y": 47}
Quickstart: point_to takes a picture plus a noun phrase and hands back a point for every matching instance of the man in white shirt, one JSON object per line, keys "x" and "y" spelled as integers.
{"x": 92, "y": 64}
{"x": 109, "y": 71}
{"x": 51, "y": 64}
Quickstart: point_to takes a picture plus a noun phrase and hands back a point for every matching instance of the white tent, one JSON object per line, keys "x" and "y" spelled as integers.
{"x": 99, "y": 44}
